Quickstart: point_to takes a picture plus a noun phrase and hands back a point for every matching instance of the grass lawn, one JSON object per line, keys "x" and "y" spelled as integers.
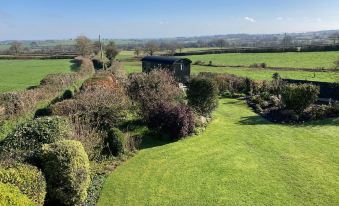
{"x": 20, "y": 74}
{"x": 240, "y": 159}
{"x": 257, "y": 74}
{"x": 293, "y": 59}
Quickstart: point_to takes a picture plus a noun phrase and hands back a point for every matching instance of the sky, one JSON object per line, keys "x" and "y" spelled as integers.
{"x": 124, "y": 19}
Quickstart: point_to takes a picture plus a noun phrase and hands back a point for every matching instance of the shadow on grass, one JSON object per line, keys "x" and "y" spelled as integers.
{"x": 258, "y": 120}
{"x": 75, "y": 67}
{"x": 254, "y": 120}
{"x": 324, "y": 122}
{"x": 137, "y": 129}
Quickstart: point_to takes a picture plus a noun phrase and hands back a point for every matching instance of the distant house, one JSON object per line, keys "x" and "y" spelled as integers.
{"x": 180, "y": 67}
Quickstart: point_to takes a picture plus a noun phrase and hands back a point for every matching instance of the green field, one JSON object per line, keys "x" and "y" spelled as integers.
{"x": 293, "y": 60}
{"x": 257, "y": 74}
{"x": 20, "y": 74}
{"x": 262, "y": 74}
{"x": 240, "y": 159}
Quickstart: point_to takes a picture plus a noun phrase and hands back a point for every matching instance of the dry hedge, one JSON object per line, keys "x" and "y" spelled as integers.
{"x": 14, "y": 104}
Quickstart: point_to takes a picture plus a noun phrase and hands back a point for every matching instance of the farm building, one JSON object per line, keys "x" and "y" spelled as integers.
{"x": 180, "y": 67}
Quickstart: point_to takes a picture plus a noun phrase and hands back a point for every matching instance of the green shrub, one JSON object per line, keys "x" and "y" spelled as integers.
{"x": 298, "y": 97}
{"x": 66, "y": 167}
{"x": 28, "y": 179}
{"x": 116, "y": 142}
{"x": 28, "y": 137}
{"x": 202, "y": 95}
{"x": 11, "y": 196}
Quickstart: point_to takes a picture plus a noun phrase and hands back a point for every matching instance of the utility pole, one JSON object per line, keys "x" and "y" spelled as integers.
{"x": 285, "y": 38}
{"x": 101, "y": 53}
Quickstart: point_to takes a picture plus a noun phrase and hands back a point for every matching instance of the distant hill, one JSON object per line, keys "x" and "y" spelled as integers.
{"x": 318, "y": 37}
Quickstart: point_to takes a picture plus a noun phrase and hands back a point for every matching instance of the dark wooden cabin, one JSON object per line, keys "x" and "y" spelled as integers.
{"x": 180, "y": 67}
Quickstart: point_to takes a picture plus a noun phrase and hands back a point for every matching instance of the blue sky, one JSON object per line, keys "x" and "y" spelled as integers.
{"x": 62, "y": 19}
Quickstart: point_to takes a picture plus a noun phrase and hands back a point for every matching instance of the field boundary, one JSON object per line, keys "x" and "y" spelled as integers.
{"x": 272, "y": 68}
{"x": 281, "y": 49}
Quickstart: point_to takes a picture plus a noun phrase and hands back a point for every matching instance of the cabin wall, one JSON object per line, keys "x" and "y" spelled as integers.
{"x": 181, "y": 73}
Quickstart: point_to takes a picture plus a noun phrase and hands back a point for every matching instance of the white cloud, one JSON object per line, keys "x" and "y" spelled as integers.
{"x": 280, "y": 18}
{"x": 250, "y": 19}
{"x": 319, "y": 20}
{"x": 163, "y": 22}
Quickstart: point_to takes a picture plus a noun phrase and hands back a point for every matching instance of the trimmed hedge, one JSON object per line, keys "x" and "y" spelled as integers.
{"x": 28, "y": 179}
{"x": 11, "y": 196}
{"x": 67, "y": 170}
{"x": 298, "y": 97}
{"x": 202, "y": 95}
{"x": 27, "y": 138}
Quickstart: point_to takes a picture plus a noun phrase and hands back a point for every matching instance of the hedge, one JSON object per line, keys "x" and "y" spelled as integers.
{"x": 28, "y": 179}
{"x": 67, "y": 170}
{"x": 27, "y": 138}
{"x": 11, "y": 196}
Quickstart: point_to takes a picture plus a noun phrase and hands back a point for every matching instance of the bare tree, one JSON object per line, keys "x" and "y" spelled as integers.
{"x": 221, "y": 43}
{"x": 287, "y": 40}
{"x": 16, "y": 48}
{"x": 111, "y": 51}
{"x": 334, "y": 38}
{"x": 151, "y": 47}
{"x": 170, "y": 47}
{"x": 180, "y": 47}
{"x": 83, "y": 45}
{"x": 137, "y": 51}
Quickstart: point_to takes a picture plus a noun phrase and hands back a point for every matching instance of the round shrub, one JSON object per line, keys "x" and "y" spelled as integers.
{"x": 28, "y": 137}
{"x": 148, "y": 89}
{"x": 174, "y": 120}
{"x": 11, "y": 196}
{"x": 202, "y": 95}
{"x": 298, "y": 97}
{"x": 28, "y": 179}
{"x": 116, "y": 142}
{"x": 66, "y": 167}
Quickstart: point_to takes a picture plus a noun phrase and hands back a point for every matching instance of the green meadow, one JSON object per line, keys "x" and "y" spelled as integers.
{"x": 310, "y": 60}
{"x": 20, "y": 74}
{"x": 257, "y": 74}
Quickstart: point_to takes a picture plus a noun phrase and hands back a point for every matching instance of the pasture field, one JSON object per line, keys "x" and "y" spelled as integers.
{"x": 256, "y": 74}
{"x": 241, "y": 159}
{"x": 123, "y": 55}
{"x": 20, "y": 74}
{"x": 266, "y": 74}
{"x": 292, "y": 60}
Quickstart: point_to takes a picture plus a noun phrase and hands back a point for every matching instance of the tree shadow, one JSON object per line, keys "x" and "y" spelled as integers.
{"x": 259, "y": 120}
{"x": 151, "y": 140}
{"x": 146, "y": 138}
{"x": 323, "y": 122}
{"x": 254, "y": 120}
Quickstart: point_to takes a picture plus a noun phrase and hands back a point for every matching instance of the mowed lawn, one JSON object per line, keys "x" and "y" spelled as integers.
{"x": 240, "y": 159}
{"x": 20, "y": 74}
{"x": 292, "y": 59}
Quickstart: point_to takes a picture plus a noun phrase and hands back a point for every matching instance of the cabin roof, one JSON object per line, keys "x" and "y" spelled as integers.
{"x": 165, "y": 59}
